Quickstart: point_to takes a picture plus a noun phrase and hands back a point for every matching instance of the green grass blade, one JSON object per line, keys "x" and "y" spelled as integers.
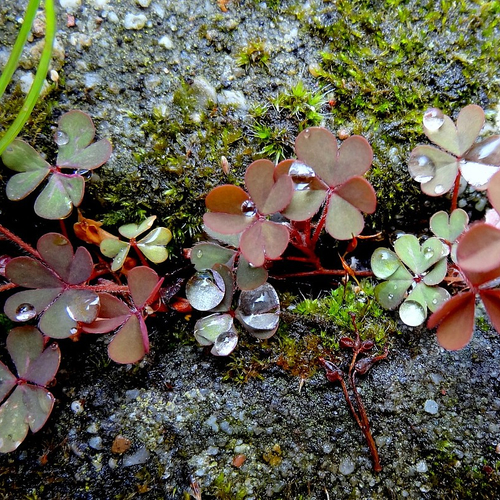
{"x": 41, "y": 73}
{"x": 17, "y": 50}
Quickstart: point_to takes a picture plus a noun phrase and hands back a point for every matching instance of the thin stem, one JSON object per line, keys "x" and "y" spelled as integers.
{"x": 456, "y": 187}
{"x": 7, "y": 286}
{"x": 19, "y": 242}
{"x": 39, "y": 80}
{"x": 322, "y": 221}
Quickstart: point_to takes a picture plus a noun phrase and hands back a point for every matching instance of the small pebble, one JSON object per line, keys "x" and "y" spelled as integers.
{"x": 431, "y": 407}
{"x": 134, "y": 21}
{"x": 346, "y": 467}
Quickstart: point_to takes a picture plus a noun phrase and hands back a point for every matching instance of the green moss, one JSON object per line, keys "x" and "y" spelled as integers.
{"x": 254, "y": 53}
{"x": 223, "y": 489}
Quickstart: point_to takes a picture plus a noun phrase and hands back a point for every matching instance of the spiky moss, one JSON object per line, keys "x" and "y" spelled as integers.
{"x": 389, "y": 60}
{"x": 277, "y": 123}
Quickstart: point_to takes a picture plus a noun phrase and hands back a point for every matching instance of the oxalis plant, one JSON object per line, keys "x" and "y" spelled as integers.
{"x": 463, "y": 257}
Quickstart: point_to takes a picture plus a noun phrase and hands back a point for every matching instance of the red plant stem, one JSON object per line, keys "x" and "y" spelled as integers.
{"x": 349, "y": 403}
{"x": 108, "y": 287}
{"x": 7, "y": 286}
{"x": 64, "y": 231}
{"x": 456, "y": 187}
{"x": 322, "y": 221}
{"x": 365, "y": 425}
{"x": 19, "y": 242}
{"x": 143, "y": 260}
{"x": 322, "y": 272}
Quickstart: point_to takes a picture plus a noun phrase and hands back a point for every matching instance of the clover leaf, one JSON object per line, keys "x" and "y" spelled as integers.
{"x": 437, "y": 169}
{"x": 152, "y": 246}
{"x": 26, "y": 403}
{"x": 55, "y": 294}
{"x": 478, "y": 259}
{"x": 428, "y": 266}
{"x": 77, "y": 156}
{"x": 340, "y": 170}
{"x": 131, "y": 341}
{"x": 233, "y": 211}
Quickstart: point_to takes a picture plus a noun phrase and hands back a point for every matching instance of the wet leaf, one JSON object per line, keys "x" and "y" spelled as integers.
{"x": 205, "y": 290}
{"x": 249, "y": 277}
{"x": 384, "y": 263}
{"x": 205, "y": 255}
{"x": 30, "y": 404}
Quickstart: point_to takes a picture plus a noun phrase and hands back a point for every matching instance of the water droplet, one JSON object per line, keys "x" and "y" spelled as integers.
{"x": 433, "y": 119}
{"x": 199, "y": 254}
{"x": 60, "y": 240}
{"x": 25, "y": 312}
{"x": 384, "y": 255}
{"x": 302, "y": 175}
{"x": 439, "y": 189}
{"x": 61, "y": 138}
{"x": 248, "y": 208}
{"x": 412, "y": 313}
{"x": 307, "y": 133}
{"x": 421, "y": 168}
{"x": 205, "y": 290}
{"x": 73, "y": 331}
{"x": 83, "y": 305}
{"x": 434, "y": 301}
{"x": 225, "y": 343}
{"x": 53, "y": 346}
{"x": 77, "y": 407}
{"x": 85, "y": 173}
{"x": 390, "y": 296}
{"x": 9, "y": 149}
{"x": 428, "y": 253}
{"x": 258, "y": 310}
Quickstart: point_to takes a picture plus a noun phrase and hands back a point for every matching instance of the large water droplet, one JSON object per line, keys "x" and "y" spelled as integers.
{"x": 248, "y": 208}
{"x": 225, "y": 343}
{"x": 433, "y": 119}
{"x": 302, "y": 175}
{"x": 258, "y": 310}
{"x": 205, "y": 290}
{"x": 25, "y": 312}
{"x": 83, "y": 306}
{"x": 421, "y": 168}
{"x": 439, "y": 189}
{"x": 209, "y": 328}
{"x": 412, "y": 313}
{"x": 61, "y": 138}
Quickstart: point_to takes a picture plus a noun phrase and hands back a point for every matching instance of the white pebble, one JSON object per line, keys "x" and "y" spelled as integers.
{"x": 134, "y": 21}
{"x": 166, "y": 41}
{"x": 143, "y": 3}
{"x": 77, "y": 407}
{"x": 70, "y": 5}
{"x": 346, "y": 467}
{"x": 431, "y": 407}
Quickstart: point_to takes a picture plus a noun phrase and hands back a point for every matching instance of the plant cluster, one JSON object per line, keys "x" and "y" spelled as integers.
{"x": 464, "y": 256}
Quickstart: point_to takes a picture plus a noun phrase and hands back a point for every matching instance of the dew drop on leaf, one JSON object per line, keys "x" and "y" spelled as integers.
{"x": 421, "y": 168}
{"x": 439, "y": 189}
{"x": 248, "y": 208}
{"x": 259, "y": 309}
{"x": 307, "y": 133}
{"x": 302, "y": 175}
{"x": 84, "y": 309}
{"x": 428, "y": 252}
{"x": 25, "y": 312}
{"x": 434, "y": 301}
{"x": 205, "y": 290}
{"x": 73, "y": 331}
{"x": 199, "y": 254}
{"x": 412, "y": 313}
{"x": 390, "y": 296}
{"x": 225, "y": 343}
{"x": 9, "y": 149}
{"x": 61, "y": 138}
{"x": 85, "y": 173}
{"x": 433, "y": 119}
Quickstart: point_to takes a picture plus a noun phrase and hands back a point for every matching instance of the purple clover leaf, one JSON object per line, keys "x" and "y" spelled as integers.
{"x": 131, "y": 342}
{"x": 233, "y": 211}
{"x": 340, "y": 170}
{"x": 55, "y": 292}
{"x": 77, "y": 157}
{"x": 437, "y": 169}
{"x": 26, "y": 403}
